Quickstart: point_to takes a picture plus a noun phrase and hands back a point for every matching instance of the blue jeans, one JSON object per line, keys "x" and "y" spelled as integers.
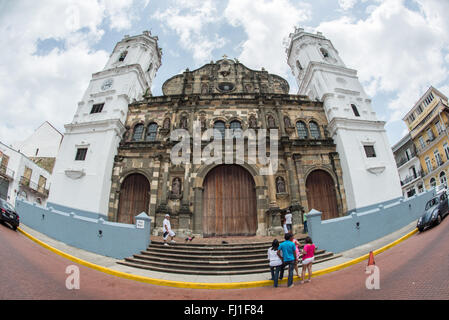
{"x": 291, "y": 266}
{"x": 275, "y": 271}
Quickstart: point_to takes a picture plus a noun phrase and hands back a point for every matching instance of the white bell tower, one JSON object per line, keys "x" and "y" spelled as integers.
{"x": 370, "y": 174}
{"x": 82, "y": 174}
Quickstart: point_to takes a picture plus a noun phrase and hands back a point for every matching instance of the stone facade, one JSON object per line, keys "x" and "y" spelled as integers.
{"x": 228, "y": 92}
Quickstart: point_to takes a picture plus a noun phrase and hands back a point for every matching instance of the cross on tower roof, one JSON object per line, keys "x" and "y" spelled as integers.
{"x": 225, "y": 56}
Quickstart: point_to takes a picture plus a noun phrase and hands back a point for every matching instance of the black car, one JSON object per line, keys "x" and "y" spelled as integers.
{"x": 436, "y": 209}
{"x": 8, "y": 214}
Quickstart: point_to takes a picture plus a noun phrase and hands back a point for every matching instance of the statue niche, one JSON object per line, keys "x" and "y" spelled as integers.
{"x": 176, "y": 189}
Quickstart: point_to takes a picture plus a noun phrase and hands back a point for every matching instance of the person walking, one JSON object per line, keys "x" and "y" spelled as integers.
{"x": 297, "y": 245}
{"x": 288, "y": 221}
{"x": 304, "y": 219}
{"x": 166, "y": 228}
{"x": 275, "y": 262}
{"x": 288, "y": 257}
{"x": 308, "y": 258}
{"x": 284, "y": 226}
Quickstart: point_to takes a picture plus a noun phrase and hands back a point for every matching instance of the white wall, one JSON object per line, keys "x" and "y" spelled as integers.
{"x": 46, "y": 139}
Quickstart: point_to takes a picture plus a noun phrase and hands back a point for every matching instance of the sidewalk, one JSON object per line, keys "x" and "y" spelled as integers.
{"x": 111, "y": 263}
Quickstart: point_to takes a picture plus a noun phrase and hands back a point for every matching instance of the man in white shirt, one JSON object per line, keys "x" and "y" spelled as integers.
{"x": 166, "y": 227}
{"x": 288, "y": 220}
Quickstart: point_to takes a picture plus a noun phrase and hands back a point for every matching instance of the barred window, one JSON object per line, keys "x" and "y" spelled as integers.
{"x": 97, "y": 108}
{"x": 81, "y": 154}
{"x": 219, "y": 130}
{"x": 370, "y": 152}
{"x": 302, "y": 130}
{"x": 152, "y": 132}
{"x": 138, "y": 132}
{"x": 236, "y": 128}
{"x": 314, "y": 130}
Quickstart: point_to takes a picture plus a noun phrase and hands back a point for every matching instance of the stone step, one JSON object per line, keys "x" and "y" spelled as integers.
{"x": 252, "y": 262}
{"x": 211, "y": 256}
{"x": 169, "y": 269}
{"x": 209, "y": 251}
{"x": 230, "y": 246}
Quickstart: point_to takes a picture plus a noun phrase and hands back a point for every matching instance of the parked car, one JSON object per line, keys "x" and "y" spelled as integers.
{"x": 9, "y": 215}
{"x": 436, "y": 209}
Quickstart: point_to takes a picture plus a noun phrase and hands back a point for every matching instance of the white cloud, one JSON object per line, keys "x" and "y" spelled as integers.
{"x": 346, "y": 4}
{"x": 266, "y": 24}
{"x": 190, "y": 20}
{"x": 47, "y": 86}
{"x": 396, "y": 50}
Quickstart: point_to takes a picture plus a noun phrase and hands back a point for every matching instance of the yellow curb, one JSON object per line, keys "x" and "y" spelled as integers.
{"x": 195, "y": 285}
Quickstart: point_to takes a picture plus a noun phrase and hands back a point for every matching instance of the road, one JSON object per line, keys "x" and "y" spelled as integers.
{"x": 414, "y": 269}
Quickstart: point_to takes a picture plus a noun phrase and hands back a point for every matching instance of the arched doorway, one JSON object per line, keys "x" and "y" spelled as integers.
{"x": 321, "y": 194}
{"x": 134, "y": 198}
{"x": 229, "y": 202}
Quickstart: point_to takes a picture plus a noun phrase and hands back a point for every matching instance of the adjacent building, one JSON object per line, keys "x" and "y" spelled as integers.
{"x": 409, "y": 167}
{"x": 20, "y": 176}
{"x": 427, "y": 122}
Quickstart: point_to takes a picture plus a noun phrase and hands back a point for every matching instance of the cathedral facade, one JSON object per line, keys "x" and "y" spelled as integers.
{"x": 116, "y": 155}
{"x": 226, "y": 199}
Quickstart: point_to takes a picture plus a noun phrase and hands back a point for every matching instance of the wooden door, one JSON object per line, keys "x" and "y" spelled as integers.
{"x": 229, "y": 202}
{"x": 321, "y": 194}
{"x": 134, "y": 198}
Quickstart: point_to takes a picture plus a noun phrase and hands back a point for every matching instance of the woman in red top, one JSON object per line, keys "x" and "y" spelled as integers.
{"x": 308, "y": 258}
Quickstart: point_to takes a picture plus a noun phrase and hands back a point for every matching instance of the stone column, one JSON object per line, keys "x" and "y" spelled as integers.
{"x": 301, "y": 184}
{"x": 281, "y": 120}
{"x": 198, "y": 211}
{"x": 163, "y": 203}
{"x": 185, "y": 215}
{"x": 295, "y": 206}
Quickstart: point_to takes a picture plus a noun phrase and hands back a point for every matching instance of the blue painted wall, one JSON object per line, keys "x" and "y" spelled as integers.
{"x": 343, "y": 233}
{"x": 78, "y": 212}
{"x": 117, "y": 240}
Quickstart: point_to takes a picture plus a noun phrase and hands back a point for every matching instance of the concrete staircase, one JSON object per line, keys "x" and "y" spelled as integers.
{"x": 206, "y": 259}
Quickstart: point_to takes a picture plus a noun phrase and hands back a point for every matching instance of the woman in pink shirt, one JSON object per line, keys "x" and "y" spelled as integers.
{"x": 308, "y": 258}
{"x": 297, "y": 244}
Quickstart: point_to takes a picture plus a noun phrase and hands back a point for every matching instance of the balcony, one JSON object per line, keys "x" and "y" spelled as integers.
{"x": 409, "y": 179}
{"x": 6, "y": 173}
{"x": 34, "y": 187}
{"x": 406, "y": 159}
{"x": 431, "y": 142}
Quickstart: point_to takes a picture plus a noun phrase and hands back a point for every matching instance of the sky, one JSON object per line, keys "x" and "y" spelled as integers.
{"x": 50, "y": 48}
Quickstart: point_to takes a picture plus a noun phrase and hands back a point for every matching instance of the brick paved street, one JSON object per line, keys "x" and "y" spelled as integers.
{"x": 414, "y": 269}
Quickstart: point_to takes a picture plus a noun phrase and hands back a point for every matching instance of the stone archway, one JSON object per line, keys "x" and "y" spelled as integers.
{"x": 321, "y": 194}
{"x": 229, "y": 205}
{"x": 134, "y": 197}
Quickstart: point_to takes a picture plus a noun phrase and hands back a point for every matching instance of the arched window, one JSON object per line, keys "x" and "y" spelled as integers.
{"x": 443, "y": 179}
{"x": 219, "y": 129}
{"x": 138, "y": 132}
{"x": 123, "y": 56}
{"x": 236, "y": 128}
{"x": 314, "y": 130}
{"x": 354, "y": 109}
{"x": 152, "y": 132}
{"x": 302, "y": 130}
{"x": 433, "y": 183}
{"x": 324, "y": 53}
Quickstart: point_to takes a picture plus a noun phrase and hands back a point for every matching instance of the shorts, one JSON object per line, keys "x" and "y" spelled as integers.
{"x": 167, "y": 233}
{"x": 307, "y": 261}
